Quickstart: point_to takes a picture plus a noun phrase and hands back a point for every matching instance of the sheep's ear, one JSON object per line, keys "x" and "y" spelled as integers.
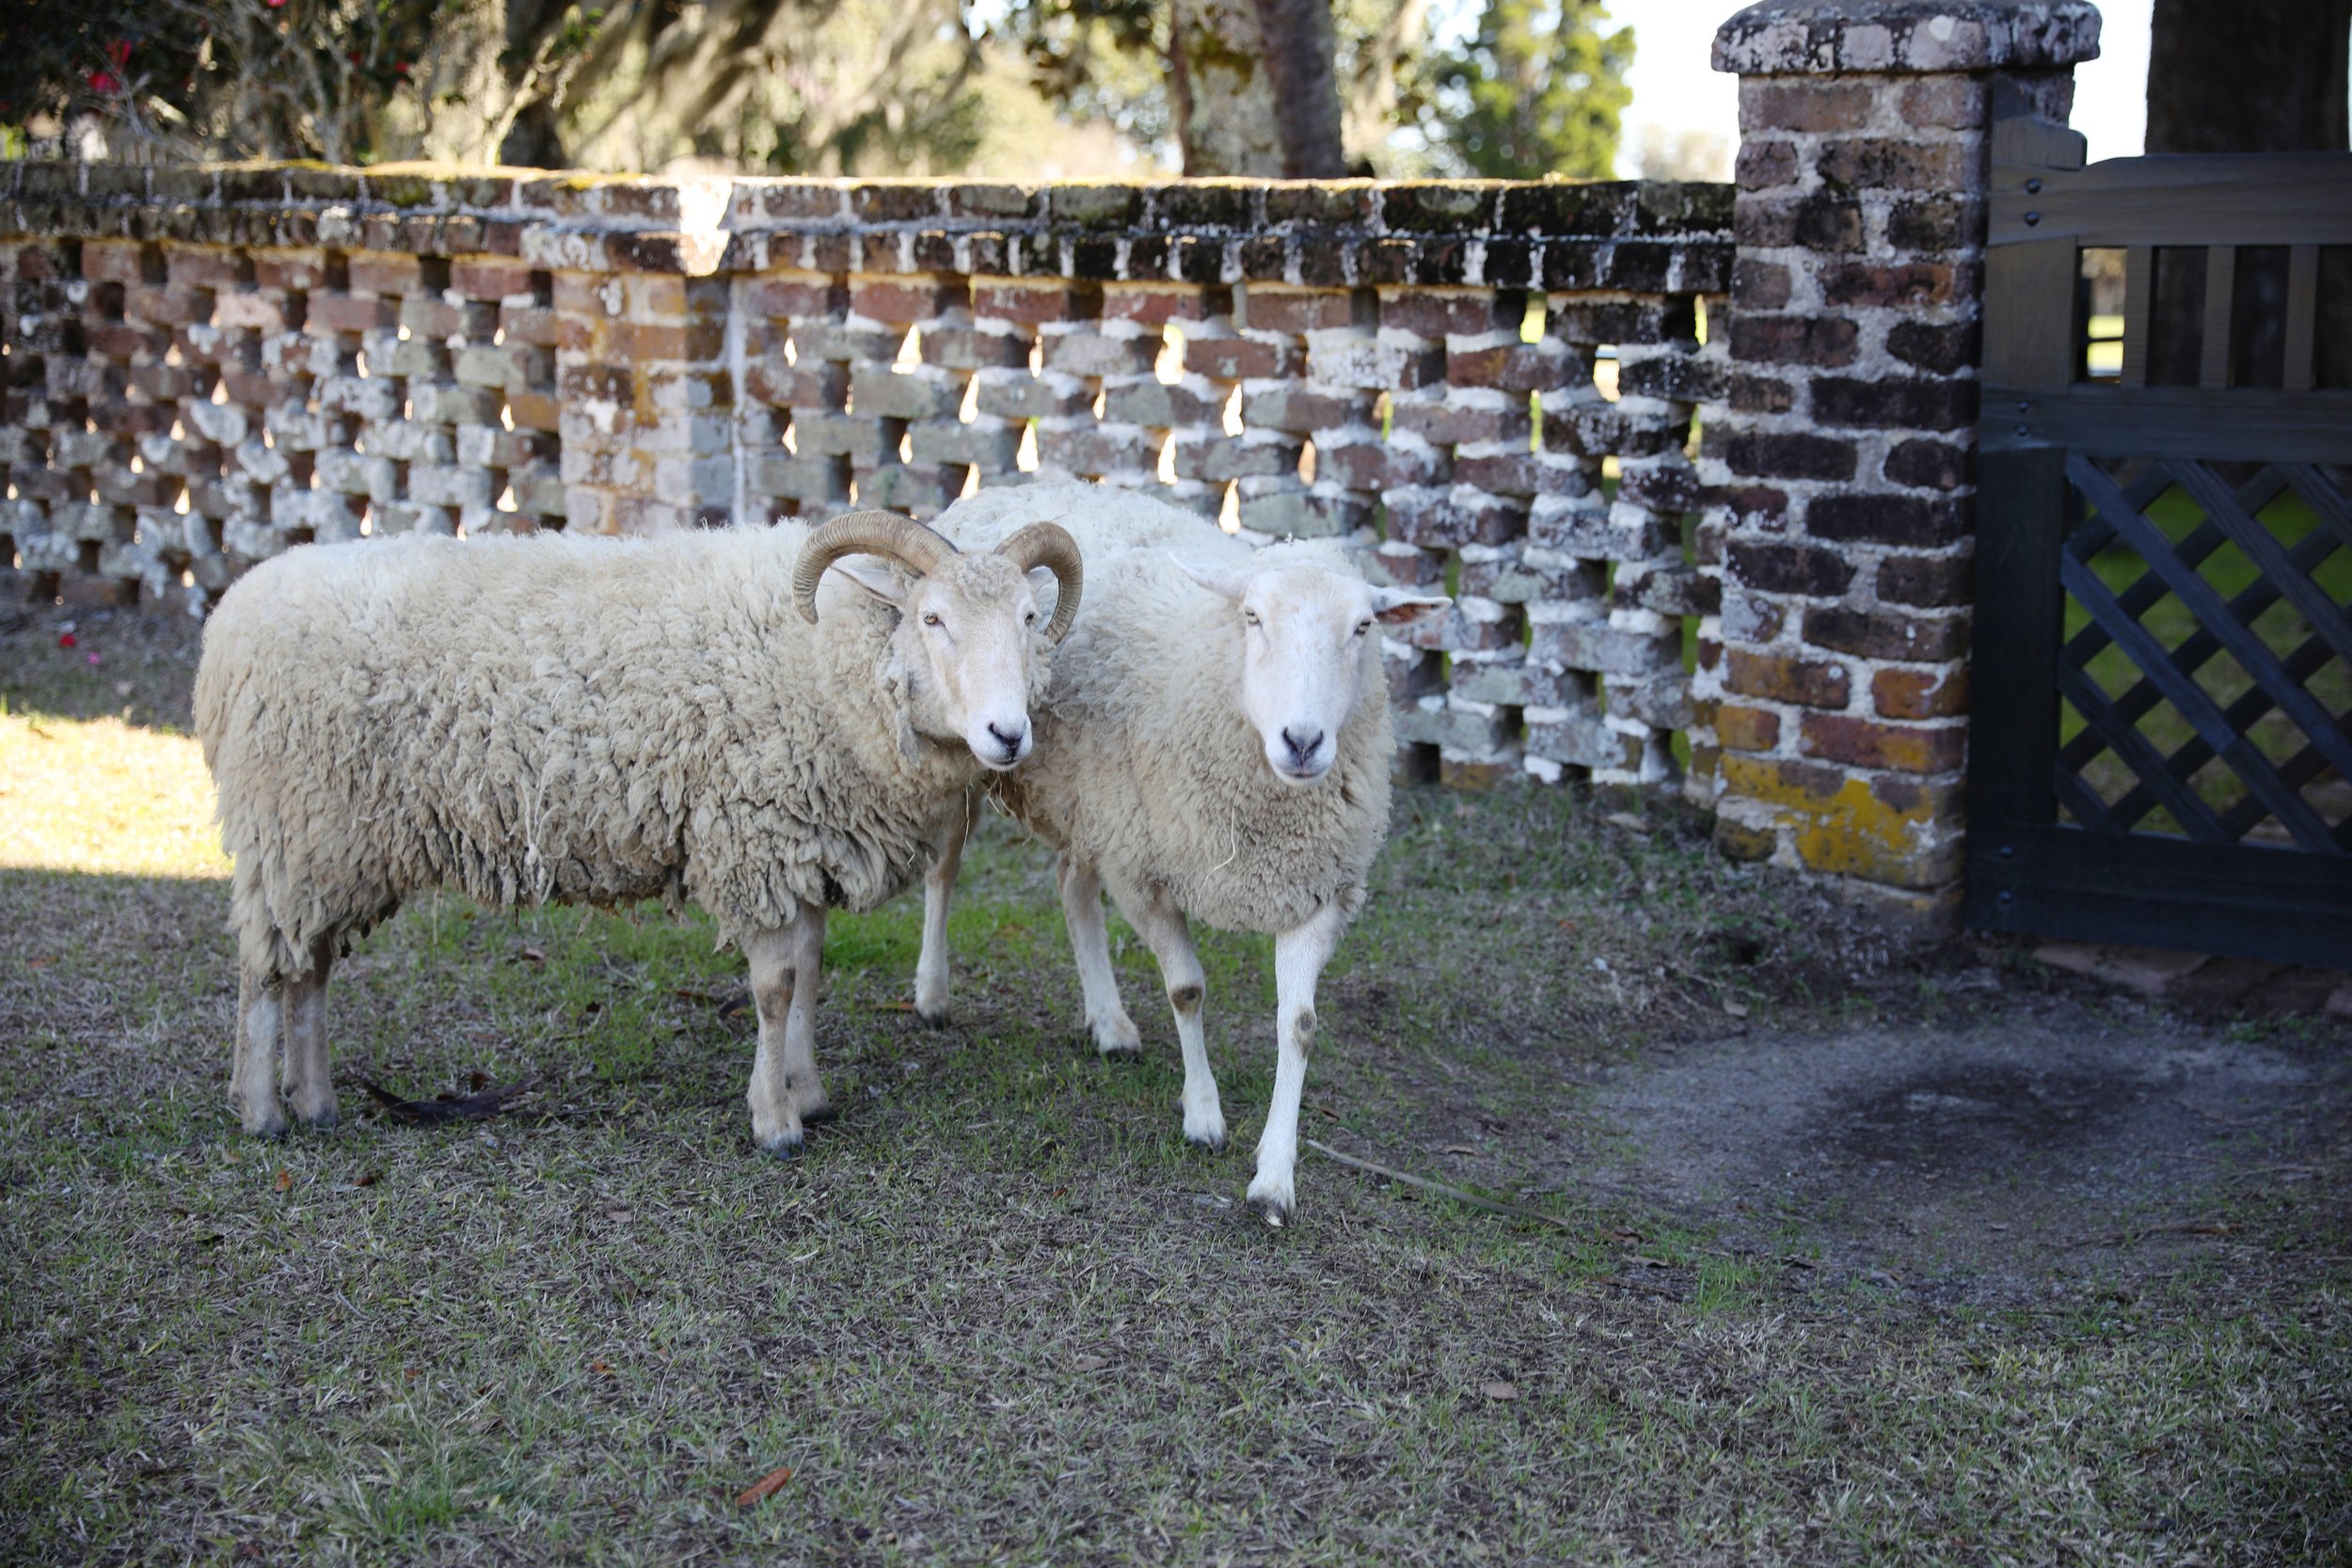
{"x": 1393, "y": 607}
{"x": 1216, "y": 579}
{"x": 885, "y": 581}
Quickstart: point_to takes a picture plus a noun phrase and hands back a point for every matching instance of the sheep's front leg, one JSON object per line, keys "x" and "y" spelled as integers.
{"x": 800, "y": 1035}
{"x": 939, "y": 886}
{"x": 1113, "y": 1032}
{"x": 309, "y": 1084}
{"x": 779, "y": 990}
{"x": 1299, "y": 955}
{"x": 253, "y": 1069}
{"x": 1161, "y": 924}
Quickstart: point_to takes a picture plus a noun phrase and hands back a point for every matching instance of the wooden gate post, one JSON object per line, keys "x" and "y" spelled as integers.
{"x": 1841, "y": 477}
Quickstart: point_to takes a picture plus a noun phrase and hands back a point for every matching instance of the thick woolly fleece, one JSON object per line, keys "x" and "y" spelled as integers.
{"x": 1144, "y": 762}
{"x": 580, "y": 721}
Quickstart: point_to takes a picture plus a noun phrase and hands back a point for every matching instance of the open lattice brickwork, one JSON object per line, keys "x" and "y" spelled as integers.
{"x": 205, "y": 367}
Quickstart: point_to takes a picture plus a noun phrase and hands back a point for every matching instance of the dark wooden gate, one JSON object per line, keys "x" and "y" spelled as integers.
{"x": 2161, "y": 739}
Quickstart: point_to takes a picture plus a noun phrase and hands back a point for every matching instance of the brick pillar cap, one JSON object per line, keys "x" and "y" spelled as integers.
{"x": 1816, "y": 38}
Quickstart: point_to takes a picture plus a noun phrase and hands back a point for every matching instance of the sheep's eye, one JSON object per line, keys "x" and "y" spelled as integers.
{"x": 930, "y": 618}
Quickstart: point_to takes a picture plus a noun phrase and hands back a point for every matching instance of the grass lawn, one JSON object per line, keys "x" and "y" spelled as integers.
{"x": 1000, "y": 1311}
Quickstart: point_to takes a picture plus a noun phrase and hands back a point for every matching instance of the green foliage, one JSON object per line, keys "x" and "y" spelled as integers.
{"x": 216, "y": 78}
{"x": 1535, "y": 91}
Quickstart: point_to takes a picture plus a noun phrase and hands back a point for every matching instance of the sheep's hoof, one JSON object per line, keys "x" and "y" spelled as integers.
{"x": 267, "y": 1124}
{"x": 1274, "y": 1213}
{"x": 818, "y": 1116}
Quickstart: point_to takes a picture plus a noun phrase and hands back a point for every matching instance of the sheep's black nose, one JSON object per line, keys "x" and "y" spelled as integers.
{"x": 1011, "y": 743}
{"x": 1303, "y": 748}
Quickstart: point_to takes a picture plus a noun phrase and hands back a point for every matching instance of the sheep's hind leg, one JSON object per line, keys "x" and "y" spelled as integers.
{"x": 1161, "y": 924}
{"x": 310, "y": 1086}
{"x": 775, "y": 1109}
{"x": 808, "y": 937}
{"x": 1115, "y": 1032}
{"x": 1299, "y": 955}
{"x": 253, "y": 1069}
{"x": 939, "y": 887}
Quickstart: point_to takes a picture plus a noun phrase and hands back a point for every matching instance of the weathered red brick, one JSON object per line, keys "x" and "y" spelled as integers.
{"x": 1905, "y": 404}
{"x": 1919, "y": 521}
{"x": 1920, "y": 694}
{"x": 1909, "y": 284}
{"x": 1758, "y": 285}
{"x": 1012, "y": 299}
{"x": 1157, "y": 304}
{"x": 1297, "y": 310}
{"x": 1768, "y": 104}
{"x": 1943, "y": 349}
{"x": 1766, "y": 165}
{"x": 1931, "y": 464}
{"x": 1783, "y": 678}
{"x": 907, "y": 299}
{"x": 1870, "y": 743}
{"x": 1945, "y": 103}
{"x": 1823, "y": 342}
{"x": 1932, "y": 580}
{"x": 1887, "y": 164}
{"x": 1791, "y": 569}
{"x": 1746, "y": 729}
{"x": 1790, "y": 455}
{"x": 1886, "y": 634}
{"x": 1761, "y": 394}
{"x": 489, "y": 277}
{"x": 377, "y": 272}
{"x": 1436, "y": 313}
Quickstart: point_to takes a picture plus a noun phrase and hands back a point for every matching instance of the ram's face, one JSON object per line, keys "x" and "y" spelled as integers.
{"x": 971, "y": 637}
{"x": 1311, "y": 639}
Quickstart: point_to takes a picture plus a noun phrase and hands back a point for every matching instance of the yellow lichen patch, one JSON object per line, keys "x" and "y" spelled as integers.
{"x": 1893, "y": 831}
{"x": 104, "y": 797}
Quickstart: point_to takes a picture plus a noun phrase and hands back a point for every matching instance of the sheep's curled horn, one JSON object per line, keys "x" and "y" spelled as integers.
{"x": 921, "y": 550}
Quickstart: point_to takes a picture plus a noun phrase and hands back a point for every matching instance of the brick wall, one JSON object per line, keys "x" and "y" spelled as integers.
{"x": 1490, "y": 386}
{"x": 1840, "y": 474}
{"x": 1487, "y": 384}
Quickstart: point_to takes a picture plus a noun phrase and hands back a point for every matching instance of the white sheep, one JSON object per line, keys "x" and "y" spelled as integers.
{"x": 1217, "y": 746}
{"x": 603, "y": 720}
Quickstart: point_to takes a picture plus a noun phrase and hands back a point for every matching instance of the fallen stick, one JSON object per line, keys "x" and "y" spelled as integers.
{"x": 1495, "y": 1206}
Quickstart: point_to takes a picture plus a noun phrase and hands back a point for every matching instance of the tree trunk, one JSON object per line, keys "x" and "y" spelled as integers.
{"x": 2247, "y": 76}
{"x": 1226, "y": 118}
{"x": 1300, "y": 65}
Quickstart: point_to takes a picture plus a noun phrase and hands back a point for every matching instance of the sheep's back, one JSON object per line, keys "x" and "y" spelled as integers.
{"x": 593, "y": 721}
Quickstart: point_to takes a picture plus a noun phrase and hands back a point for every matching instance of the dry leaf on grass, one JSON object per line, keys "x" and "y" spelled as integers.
{"x": 764, "y": 1488}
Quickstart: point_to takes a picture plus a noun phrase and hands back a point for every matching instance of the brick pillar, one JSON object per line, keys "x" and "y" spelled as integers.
{"x": 1840, "y": 482}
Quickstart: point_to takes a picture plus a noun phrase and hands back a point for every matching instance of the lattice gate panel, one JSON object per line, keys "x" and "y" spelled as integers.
{"x": 2207, "y": 671}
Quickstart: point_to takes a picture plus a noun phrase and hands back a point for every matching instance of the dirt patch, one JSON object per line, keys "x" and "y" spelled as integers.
{"x": 2022, "y": 1149}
